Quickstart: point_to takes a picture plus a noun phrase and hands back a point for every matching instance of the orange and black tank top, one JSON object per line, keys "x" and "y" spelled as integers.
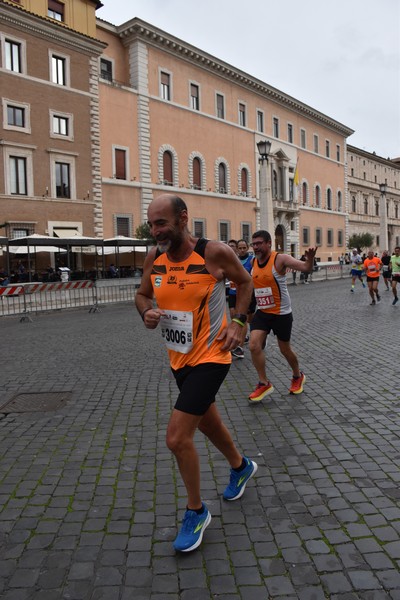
{"x": 270, "y": 288}
{"x": 195, "y": 309}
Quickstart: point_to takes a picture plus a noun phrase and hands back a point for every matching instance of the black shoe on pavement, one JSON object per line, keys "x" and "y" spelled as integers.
{"x": 238, "y": 352}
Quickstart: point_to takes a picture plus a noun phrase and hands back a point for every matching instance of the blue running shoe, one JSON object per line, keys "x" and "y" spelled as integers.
{"x": 191, "y": 533}
{"x": 239, "y": 479}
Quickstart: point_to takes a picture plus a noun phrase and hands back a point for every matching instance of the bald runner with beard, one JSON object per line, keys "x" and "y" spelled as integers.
{"x": 186, "y": 278}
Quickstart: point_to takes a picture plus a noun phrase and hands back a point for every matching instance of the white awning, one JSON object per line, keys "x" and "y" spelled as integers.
{"x": 66, "y": 233}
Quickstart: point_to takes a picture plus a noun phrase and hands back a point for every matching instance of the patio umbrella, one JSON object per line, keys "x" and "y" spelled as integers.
{"x": 31, "y": 244}
{"x": 27, "y": 245}
{"x": 34, "y": 249}
{"x": 121, "y": 244}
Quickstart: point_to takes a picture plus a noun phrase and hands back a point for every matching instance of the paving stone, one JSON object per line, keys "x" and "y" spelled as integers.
{"x": 364, "y": 580}
{"x": 336, "y": 583}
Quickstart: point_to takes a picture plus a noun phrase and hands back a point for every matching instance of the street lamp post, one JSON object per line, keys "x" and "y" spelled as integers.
{"x": 266, "y": 207}
{"x": 383, "y": 234}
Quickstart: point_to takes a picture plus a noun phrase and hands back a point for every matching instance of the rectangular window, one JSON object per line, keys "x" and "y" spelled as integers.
{"x": 223, "y": 231}
{"x": 329, "y": 239}
{"x": 246, "y": 232}
{"x": 123, "y": 226}
{"x": 165, "y": 86}
{"x": 327, "y": 148}
{"x": 338, "y": 152}
{"x": 220, "y": 107}
{"x": 13, "y": 56}
{"x": 106, "y": 69}
{"x": 60, "y": 125}
{"x": 260, "y": 121}
{"x": 18, "y": 181}
{"x": 290, "y": 133}
{"x": 306, "y": 236}
{"x": 318, "y": 236}
{"x": 242, "y": 114}
{"x": 55, "y": 10}
{"x": 15, "y": 116}
{"x": 19, "y": 233}
{"x": 316, "y": 144}
{"x": 275, "y": 124}
{"x": 120, "y": 163}
{"x": 58, "y": 72}
{"x": 303, "y": 138}
{"x": 340, "y": 237}
{"x": 63, "y": 184}
{"x": 194, "y": 96}
{"x": 199, "y": 229}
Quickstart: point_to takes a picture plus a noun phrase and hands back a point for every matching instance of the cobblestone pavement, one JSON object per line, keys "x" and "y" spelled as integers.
{"x": 90, "y": 497}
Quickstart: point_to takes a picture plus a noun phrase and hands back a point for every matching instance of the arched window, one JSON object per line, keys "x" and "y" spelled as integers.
{"x": 197, "y": 173}
{"x": 317, "y": 196}
{"x": 168, "y": 168}
{"x": 222, "y": 178}
{"x": 244, "y": 179}
{"x": 329, "y": 199}
{"x": 353, "y": 204}
{"x": 339, "y": 201}
{"x": 304, "y": 193}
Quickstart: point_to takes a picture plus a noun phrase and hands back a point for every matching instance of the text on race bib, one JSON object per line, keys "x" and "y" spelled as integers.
{"x": 264, "y": 297}
{"x": 177, "y": 330}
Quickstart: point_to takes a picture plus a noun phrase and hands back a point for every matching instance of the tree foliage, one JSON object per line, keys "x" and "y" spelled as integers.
{"x": 143, "y": 232}
{"x": 361, "y": 241}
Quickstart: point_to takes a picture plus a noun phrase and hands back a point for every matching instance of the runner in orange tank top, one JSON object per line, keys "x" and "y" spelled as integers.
{"x": 186, "y": 276}
{"x": 274, "y": 311}
{"x": 372, "y": 266}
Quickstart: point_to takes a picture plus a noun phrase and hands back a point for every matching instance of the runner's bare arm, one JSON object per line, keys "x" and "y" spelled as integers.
{"x": 144, "y": 295}
{"x": 285, "y": 261}
{"x": 223, "y": 263}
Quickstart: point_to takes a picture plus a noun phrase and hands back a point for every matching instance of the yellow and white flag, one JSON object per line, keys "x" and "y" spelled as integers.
{"x": 296, "y": 179}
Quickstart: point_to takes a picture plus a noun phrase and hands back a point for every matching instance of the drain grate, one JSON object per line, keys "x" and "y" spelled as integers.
{"x": 36, "y": 402}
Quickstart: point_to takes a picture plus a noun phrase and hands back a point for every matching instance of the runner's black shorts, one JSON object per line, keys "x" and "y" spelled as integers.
{"x": 232, "y": 300}
{"x": 281, "y": 325}
{"x": 372, "y": 278}
{"x": 198, "y": 386}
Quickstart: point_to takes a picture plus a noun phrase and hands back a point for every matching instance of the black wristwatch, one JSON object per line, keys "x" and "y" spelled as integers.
{"x": 241, "y": 318}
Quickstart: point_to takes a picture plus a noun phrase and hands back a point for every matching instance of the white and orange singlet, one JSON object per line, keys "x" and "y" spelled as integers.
{"x": 270, "y": 288}
{"x": 195, "y": 309}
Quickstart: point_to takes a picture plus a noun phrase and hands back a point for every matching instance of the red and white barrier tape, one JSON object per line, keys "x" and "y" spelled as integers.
{"x": 33, "y": 288}
{"x": 11, "y": 290}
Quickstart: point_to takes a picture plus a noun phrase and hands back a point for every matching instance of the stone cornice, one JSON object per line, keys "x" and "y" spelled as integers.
{"x": 136, "y": 28}
{"x": 373, "y": 157}
{"x": 17, "y": 17}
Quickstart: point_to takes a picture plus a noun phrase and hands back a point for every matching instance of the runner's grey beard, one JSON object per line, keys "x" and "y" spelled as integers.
{"x": 164, "y": 246}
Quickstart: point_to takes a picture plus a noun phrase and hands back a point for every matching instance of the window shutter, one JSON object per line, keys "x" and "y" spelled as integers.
{"x": 120, "y": 164}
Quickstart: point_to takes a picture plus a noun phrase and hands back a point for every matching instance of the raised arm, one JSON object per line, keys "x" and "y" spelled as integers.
{"x": 285, "y": 261}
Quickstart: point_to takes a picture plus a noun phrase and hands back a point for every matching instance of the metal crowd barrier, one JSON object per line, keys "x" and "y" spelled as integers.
{"x": 30, "y": 298}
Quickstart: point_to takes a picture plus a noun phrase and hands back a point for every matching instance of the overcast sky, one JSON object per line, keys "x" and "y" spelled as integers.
{"x": 342, "y": 57}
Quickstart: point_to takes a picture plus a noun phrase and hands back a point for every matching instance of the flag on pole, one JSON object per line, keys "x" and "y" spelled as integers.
{"x": 296, "y": 174}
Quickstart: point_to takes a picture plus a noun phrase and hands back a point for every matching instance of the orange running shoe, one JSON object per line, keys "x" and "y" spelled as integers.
{"x": 296, "y": 386}
{"x": 262, "y": 390}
